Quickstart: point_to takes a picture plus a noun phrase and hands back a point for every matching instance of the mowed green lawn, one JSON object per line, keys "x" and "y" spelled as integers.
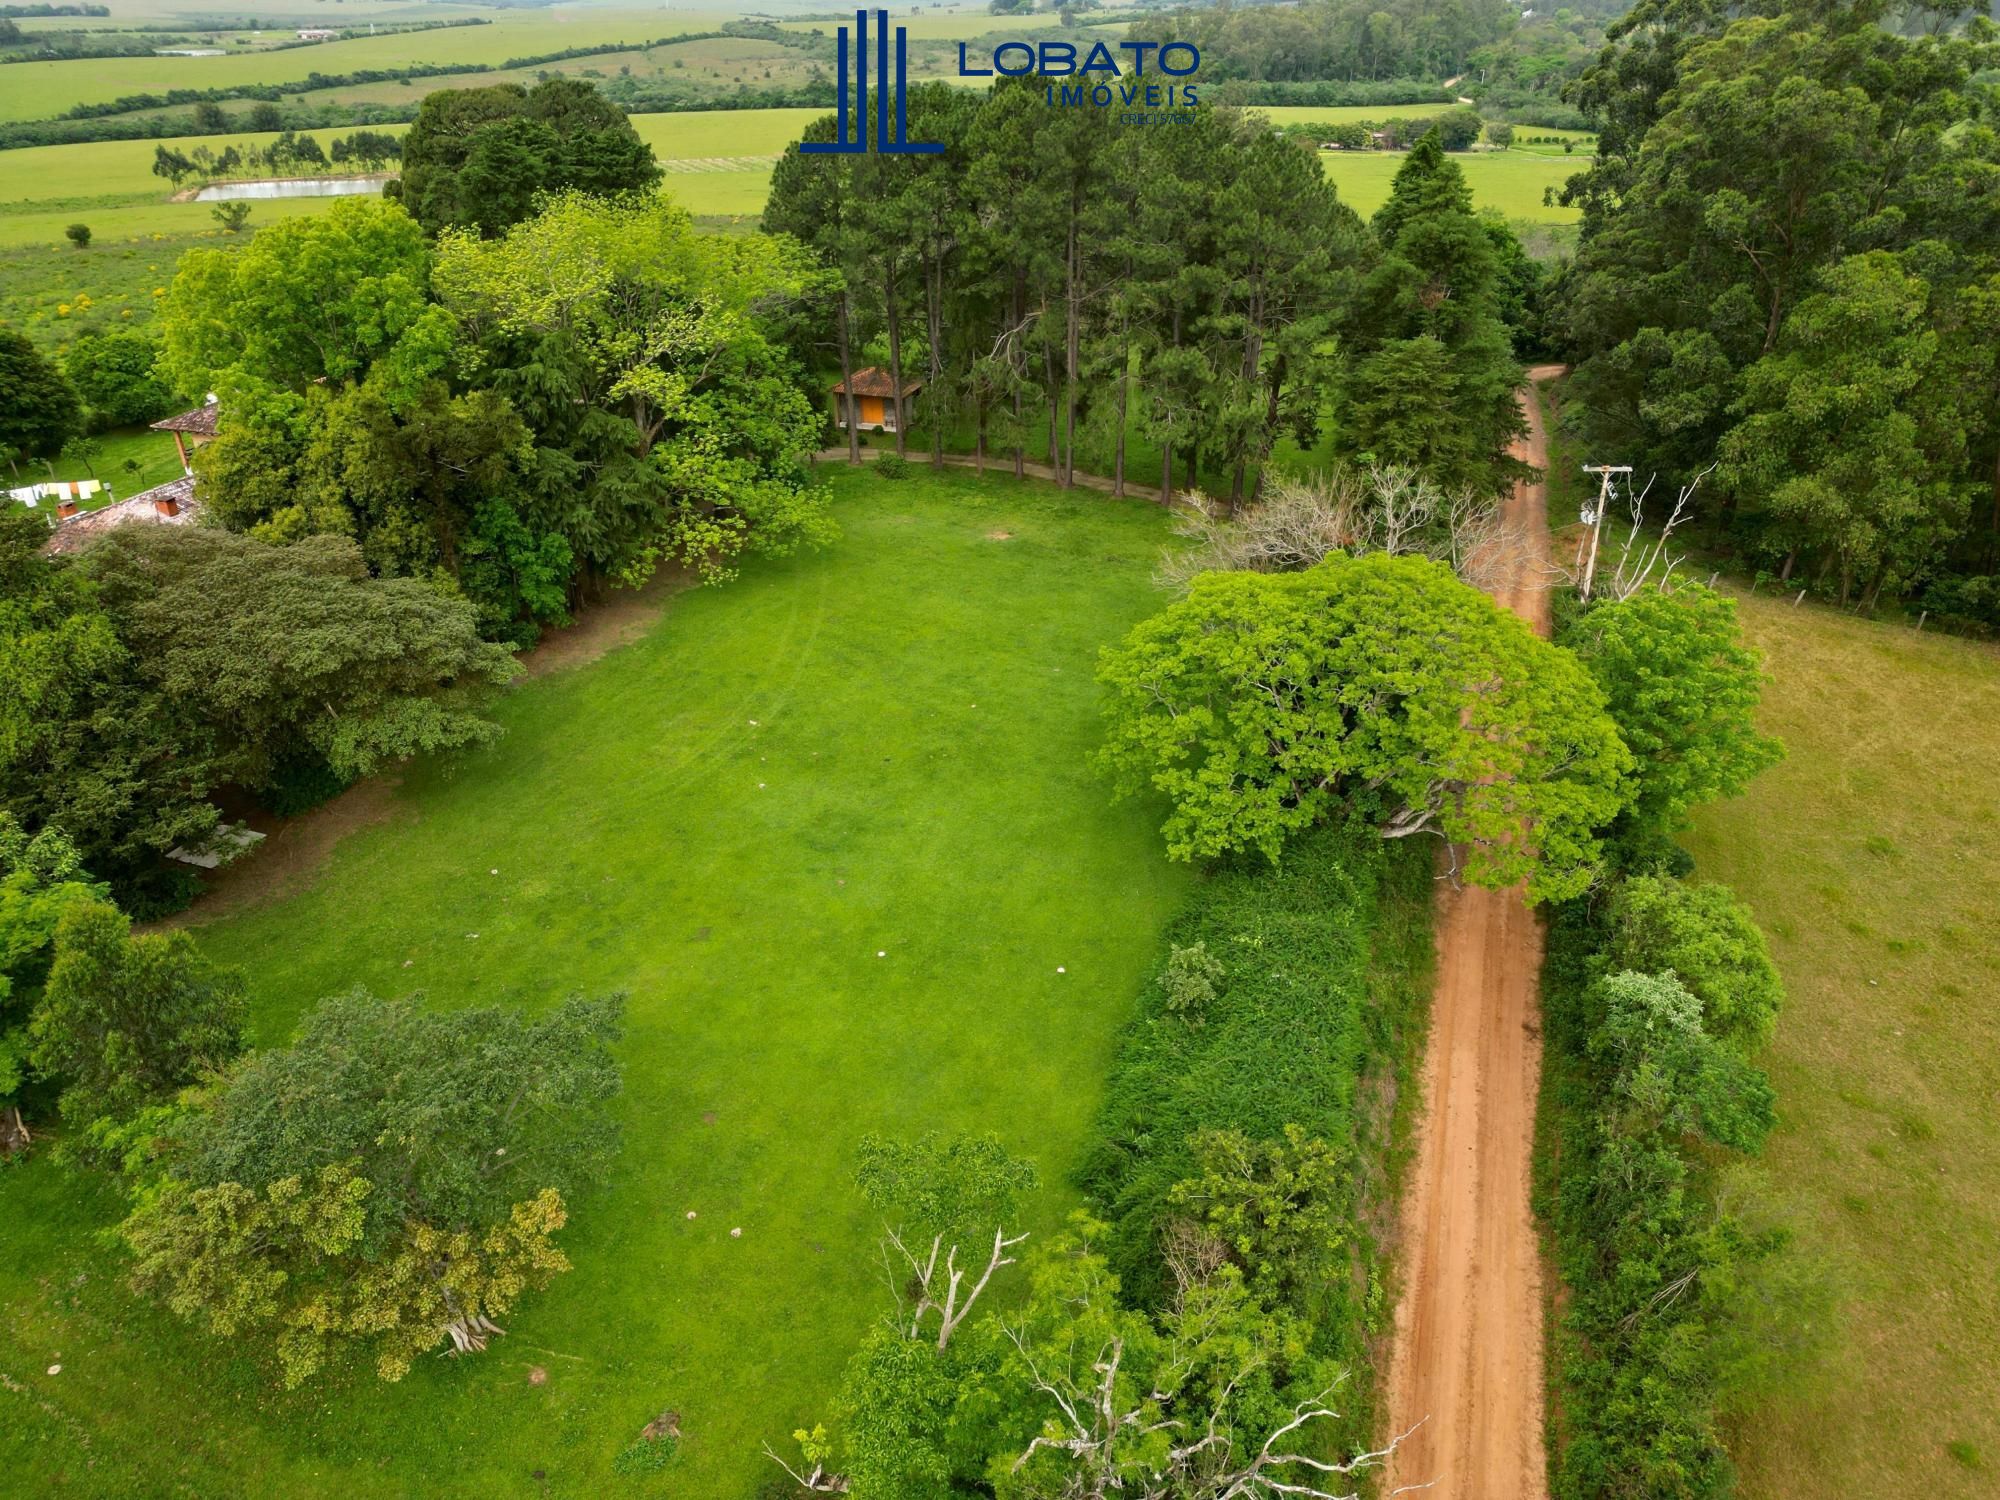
{"x": 832, "y": 828}
{"x": 1871, "y": 856}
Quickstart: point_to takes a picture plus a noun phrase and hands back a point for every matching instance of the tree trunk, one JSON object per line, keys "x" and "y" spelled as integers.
{"x": 1018, "y": 369}
{"x": 1124, "y": 399}
{"x": 979, "y": 433}
{"x": 895, "y": 319}
{"x": 1785, "y": 573}
{"x": 14, "y": 1134}
{"x": 847, "y": 386}
{"x": 1055, "y": 406}
{"x": 934, "y": 314}
{"x": 1072, "y": 316}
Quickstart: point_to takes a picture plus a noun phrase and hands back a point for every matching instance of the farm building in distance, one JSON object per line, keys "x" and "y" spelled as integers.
{"x": 870, "y": 399}
{"x": 317, "y": 34}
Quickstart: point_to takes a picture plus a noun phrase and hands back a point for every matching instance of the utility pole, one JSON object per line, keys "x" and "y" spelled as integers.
{"x": 1606, "y": 472}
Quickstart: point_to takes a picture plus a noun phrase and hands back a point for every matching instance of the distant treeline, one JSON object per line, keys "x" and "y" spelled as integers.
{"x": 25, "y": 11}
{"x": 1333, "y": 95}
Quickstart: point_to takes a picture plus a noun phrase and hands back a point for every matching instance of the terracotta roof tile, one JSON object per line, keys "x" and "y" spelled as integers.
{"x": 197, "y": 423}
{"x": 875, "y": 382}
{"x": 80, "y": 530}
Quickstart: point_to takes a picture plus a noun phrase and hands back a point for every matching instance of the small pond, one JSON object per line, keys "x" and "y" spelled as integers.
{"x": 293, "y": 187}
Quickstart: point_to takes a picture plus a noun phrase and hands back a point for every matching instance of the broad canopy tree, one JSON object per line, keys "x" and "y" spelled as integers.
{"x": 296, "y": 648}
{"x": 666, "y": 426}
{"x": 1381, "y": 685}
{"x": 40, "y": 879}
{"x": 478, "y": 159}
{"x": 126, "y": 1022}
{"x": 392, "y": 1180}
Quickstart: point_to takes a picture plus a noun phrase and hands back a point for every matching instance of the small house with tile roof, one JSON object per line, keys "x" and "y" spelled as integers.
{"x": 871, "y": 398}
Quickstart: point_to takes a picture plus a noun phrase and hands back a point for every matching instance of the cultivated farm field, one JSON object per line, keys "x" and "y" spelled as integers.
{"x": 832, "y": 828}
{"x": 1870, "y": 857}
{"x": 39, "y": 89}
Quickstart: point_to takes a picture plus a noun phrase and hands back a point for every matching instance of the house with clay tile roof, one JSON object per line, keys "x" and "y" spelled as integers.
{"x": 870, "y": 398}
{"x": 169, "y": 504}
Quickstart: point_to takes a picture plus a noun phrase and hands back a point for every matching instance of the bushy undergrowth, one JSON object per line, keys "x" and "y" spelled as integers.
{"x": 1677, "y": 1297}
{"x": 1324, "y": 970}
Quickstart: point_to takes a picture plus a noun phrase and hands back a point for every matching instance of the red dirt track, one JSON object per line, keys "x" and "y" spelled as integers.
{"x": 1467, "y": 1363}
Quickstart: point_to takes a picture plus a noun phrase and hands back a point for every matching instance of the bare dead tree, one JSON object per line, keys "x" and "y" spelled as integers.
{"x": 1645, "y": 559}
{"x": 1301, "y": 520}
{"x": 940, "y": 1286}
{"x": 817, "y": 1481}
{"x": 1093, "y": 1428}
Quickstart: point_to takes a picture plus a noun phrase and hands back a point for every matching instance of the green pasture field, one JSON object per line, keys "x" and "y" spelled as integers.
{"x": 1343, "y": 114}
{"x": 1511, "y": 182}
{"x": 690, "y": 134}
{"x": 154, "y": 452}
{"x": 876, "y": 750}
{"x": 1871, "y": 856}
{"x": 110, "y": 185}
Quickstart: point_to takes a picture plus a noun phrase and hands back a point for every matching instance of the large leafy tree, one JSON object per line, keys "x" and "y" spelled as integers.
{"x": 296, "y": 648}
{"x": 1380, "y": 685}
{"x": 323, "y": 298}
{"x": 391, "y": 1180}
{"x": 1707, "y": 939}
{"x": 86, "y": 744}
{"x": 478, "y": 159}
{"x": 40, "y": 878}
{"x": 666, "y": 425}
{"x": 114, "y": 374}
{"x": 1854, "y": 434}
{"x": 125, "y": 1022}
{"x": 1683, "y": 689}
{"x": 1745, "y": 161}
{"x": 38, "y": 408}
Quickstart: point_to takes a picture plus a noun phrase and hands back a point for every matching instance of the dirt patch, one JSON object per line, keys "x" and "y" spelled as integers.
{"x": 1468, "y": 1334}
{"x": 618, "y": 619}
{"x": 999, "y": 536}
{"x": 292, "y": 853}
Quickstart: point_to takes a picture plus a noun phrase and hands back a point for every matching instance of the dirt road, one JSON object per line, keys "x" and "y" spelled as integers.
{"x": 1468, "y": 1334}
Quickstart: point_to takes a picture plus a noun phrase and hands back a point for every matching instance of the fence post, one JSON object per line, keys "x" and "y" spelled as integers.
{"x": 1920, "y": 621}
{"x": 1800, "y": 600}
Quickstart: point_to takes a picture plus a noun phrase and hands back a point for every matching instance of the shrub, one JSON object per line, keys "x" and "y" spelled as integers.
{"x": 78, "y": 235}
{"x": 644, "y": 1456}
{"x": 892, "y": 466}
{"x": 1707, "y": 938}
{"x": 1189, "y": 981}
